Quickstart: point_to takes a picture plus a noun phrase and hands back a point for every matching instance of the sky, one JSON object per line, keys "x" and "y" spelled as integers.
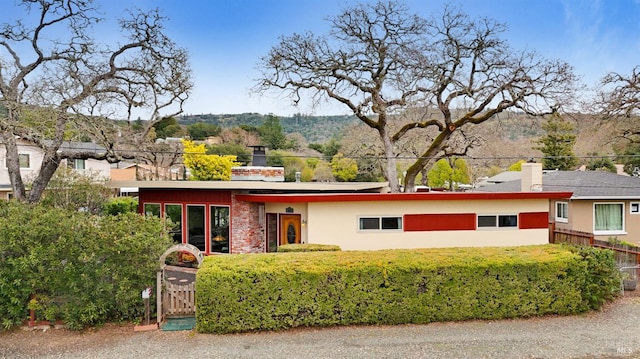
{"x": 227, "y": 38}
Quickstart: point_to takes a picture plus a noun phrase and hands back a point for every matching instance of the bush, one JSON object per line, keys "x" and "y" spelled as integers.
{"x": 277, "y": 291}
{"x": 83, "y": 269}
{"x": 119, "y": 205}
{"x": 305, "y": 247}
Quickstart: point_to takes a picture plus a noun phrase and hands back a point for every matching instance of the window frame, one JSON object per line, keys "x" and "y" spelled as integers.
{"x": 497, "y": 221}
{"x": 559, "y": 217}
{"x": 380, "y": 225}
{"x": 637, "y": 207}
{"x": 610, "y": 231}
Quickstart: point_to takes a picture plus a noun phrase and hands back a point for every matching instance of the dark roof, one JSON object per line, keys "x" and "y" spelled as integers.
{"x": 583, "y": 184}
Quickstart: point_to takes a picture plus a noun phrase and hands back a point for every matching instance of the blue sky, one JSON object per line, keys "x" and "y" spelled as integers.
{"x": 226, "y": 39}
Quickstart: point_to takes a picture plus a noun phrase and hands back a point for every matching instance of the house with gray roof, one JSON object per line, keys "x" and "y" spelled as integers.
{"x": 603, "y": 203}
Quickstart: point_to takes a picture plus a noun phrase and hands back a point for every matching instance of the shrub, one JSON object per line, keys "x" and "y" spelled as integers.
{"x": 306, "y": 247}
{"x": 119, "y": 205}
{"x": 83, "y": 269}
{"x": 277, "y": 291}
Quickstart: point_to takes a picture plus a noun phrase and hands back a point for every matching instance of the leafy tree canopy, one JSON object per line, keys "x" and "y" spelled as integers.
{"x": 205, "y": 167}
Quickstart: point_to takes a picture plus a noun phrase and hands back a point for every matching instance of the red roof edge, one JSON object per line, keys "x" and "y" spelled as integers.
{"x": 422, "y": 196}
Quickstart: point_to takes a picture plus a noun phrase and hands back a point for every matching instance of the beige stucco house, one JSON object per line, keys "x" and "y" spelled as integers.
{"x": 603, "y": 203}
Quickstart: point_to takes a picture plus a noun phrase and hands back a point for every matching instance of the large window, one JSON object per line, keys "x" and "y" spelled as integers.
{"x": 562, "y": 212}
{"x": 219, "y": 229}
{"x": 497, "y": 221}
{"x": 608, "y": 218}
{"x": 379, "y": 223}
{"x": 173, "y": 212}
{"x": 195, "y": 226}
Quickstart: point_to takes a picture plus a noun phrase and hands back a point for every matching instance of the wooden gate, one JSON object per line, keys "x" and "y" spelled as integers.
{"x": 179, "y": 300}
{"x": 176, "y": 290}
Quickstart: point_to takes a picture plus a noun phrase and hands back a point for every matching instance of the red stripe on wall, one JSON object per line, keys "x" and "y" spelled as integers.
{"x": 529, "y": 220}
{"x": 439, "y": 222}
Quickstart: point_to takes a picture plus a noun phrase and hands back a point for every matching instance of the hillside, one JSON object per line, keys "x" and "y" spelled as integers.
{"x": 315, "y": 129}
{"x": 506, "y": 138}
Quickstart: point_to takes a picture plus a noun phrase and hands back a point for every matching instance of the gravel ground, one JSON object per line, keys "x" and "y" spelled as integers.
{"x": 612, "y": 332}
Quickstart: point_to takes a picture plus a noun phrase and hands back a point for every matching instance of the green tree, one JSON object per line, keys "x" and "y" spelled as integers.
{"x": 601, "y": 164}
{"x": 449, "y": 173}
{"x": 242, "y": 153}
{"x": 271, "y": 133}
{"x": 557, "y": 144}
{"x": 201, "y": 130}
{"x": 344, "y": 169}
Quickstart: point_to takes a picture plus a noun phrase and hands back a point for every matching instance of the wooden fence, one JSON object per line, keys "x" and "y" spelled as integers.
{"x": 625, "y": 255}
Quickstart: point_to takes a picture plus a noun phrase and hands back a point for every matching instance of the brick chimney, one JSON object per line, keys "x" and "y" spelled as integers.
{"x": 531, "y": 177}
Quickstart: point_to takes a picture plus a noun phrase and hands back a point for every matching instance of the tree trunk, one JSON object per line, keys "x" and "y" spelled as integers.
{"x": 50, "y": 164}
{"x": 13, "y": 166}
{"x": 391, "y": 171}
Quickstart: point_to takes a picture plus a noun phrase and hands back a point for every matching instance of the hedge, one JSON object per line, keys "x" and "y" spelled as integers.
{"x": 268, "y": 291}
{"x": 82, "y": 269}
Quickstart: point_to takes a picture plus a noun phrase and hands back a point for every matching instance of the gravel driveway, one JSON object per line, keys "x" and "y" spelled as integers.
{"x": 613, "y": 332}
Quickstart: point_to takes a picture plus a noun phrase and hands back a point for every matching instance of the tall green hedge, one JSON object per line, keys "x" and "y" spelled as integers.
{"x": 83, "y": 269}
{"x": 277, "y": 291}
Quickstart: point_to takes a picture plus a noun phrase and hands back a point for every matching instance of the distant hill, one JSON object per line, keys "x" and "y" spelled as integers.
{"x": 315, "y": 129}
{"x": 508, "y": 136}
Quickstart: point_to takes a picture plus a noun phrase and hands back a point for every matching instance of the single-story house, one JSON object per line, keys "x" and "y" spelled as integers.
{"x": 256, "y": 212}
{"x": 602, "y": 203}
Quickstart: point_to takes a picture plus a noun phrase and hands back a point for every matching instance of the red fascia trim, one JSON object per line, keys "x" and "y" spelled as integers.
{"x": 422, "y": 196}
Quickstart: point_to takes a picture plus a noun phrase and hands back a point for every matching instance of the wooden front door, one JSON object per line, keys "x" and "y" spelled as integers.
{"x": 289, "y": 228}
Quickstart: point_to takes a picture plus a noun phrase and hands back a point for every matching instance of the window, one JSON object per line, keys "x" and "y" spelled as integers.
{"x": 562, "y": 212}
{"x": 634, "y": 208}
{"x": 498, "y": 221}
{"x": 78, "y": 164}
{"x": 24, "y": 160}
{"x": 379, "y": 223}
{"x": 608, "y": 218}
{"x": 173, "y": 212}
{"x": 195, "y": 226}
{"x": 219, "y": 229}
{"x": 152, "y": 209}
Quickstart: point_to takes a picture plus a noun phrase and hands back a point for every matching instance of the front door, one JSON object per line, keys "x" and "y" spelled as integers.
{"x": 289, "y": 228}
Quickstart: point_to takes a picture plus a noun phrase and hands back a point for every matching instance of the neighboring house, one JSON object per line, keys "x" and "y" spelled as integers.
{"x": 603, "y": 203}
{"x": 31, "y": 159}
{"x": 261, "y": 212}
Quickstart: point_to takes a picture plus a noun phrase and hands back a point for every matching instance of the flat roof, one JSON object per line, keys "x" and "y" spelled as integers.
{"x": 255, "y": 185}
{"x": 419, "y": 196}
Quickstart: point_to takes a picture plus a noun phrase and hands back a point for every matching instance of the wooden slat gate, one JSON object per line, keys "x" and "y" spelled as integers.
{"x": 179, "y": 300}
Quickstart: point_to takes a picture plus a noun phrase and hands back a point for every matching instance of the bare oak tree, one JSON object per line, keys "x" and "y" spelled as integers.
{"x": 618, "y": 99}
{"x": 57, "y": 82}
{"x": 379, "y": 60}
